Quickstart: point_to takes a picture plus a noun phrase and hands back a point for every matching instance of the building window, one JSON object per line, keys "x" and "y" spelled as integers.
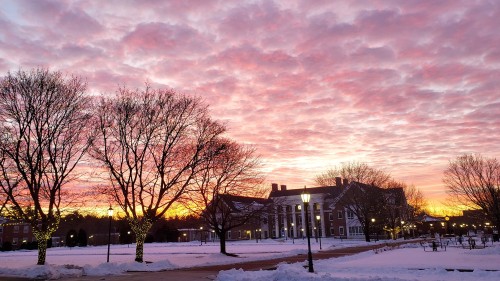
{"x": 341, "y": 230}
{"x": 330, "y": 216}
{"x": 26, "y": 229}
{"x": 340, "y": 215}
{"x": 229, "y": 234}
{"x": 16, "y": 228}
{"x": 239, "y": 233}
{"x": 332, "y": 231}
{"x": 350, "y": 215}
{"x": 14, "y": 241}
{"x": 355, "y": 230}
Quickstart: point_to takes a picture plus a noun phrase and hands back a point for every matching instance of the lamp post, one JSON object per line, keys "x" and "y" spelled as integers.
{"x": 286, "y": 233}
{"x": 110, "y": 215}
{"x": 447, "y": 219}
{"x": 373, "y": 227}
{"x": 129, "y": 239}
{"x": 201, "y": 235}
{"x": 403, "y": 229}
{"x": 293, "y": 234}
{"x": 306, "y": 197}
{"x": 318, "y": 218}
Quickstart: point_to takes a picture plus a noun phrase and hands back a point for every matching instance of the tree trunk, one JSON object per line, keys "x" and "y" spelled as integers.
{"x": 366, "y": 230}
{"x": 222, "y": 238}
{"x": 41, "y": 240}
{"x": 140, "y": 229}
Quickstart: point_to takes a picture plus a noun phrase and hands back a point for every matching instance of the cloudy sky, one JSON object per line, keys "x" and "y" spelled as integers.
{"x": 402, "y": 85}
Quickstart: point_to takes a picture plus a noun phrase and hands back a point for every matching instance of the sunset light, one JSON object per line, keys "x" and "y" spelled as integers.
{"x": 403, "y": 86}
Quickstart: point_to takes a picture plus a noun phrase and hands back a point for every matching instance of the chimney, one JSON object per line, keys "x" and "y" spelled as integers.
{"x": 274, "y": 186}
{"x": 283, "y": 187}
{"x": 338, "y": 181}
{"x": 346, "y": 182}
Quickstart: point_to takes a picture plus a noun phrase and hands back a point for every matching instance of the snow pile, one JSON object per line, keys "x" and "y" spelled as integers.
{"x": 408, "y": 262}
{"x": 289, "y": 272}
{"x": 44, "y": 271}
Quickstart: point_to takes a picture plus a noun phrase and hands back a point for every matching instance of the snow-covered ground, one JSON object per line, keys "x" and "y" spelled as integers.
{"x": 410, "y": 262}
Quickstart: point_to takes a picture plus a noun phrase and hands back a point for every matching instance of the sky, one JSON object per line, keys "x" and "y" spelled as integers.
{"x": 404, "y": 86}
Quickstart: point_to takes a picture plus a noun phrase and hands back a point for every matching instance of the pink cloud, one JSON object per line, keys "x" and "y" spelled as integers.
{"x": 403, "y": 85}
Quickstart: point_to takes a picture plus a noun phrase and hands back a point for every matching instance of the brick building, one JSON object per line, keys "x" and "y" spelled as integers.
{"x": 15, "y": 233}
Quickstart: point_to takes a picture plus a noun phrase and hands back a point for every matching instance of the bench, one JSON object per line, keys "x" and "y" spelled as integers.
{"x": 434, "y": 246}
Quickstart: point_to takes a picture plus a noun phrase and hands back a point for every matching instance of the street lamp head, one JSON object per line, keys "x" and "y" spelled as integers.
{"x": 447, "y": 218}
{"x": 306, "y": 197}
{"x": 318, "y": 217}
{"x": 110, "y": 212}
{"x": 201, "y": 227}
{"x": 373, "y": 220}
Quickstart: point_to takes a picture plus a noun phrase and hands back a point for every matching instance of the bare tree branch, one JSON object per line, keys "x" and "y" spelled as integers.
{"x": 151, "y": 143}
{"x": 474, "y": 181}
{"x": 43, "y": 118}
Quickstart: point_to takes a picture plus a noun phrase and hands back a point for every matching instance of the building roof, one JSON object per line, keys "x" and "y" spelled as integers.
{"x": 240, "y": 203}
{"x": 330, "y": 190}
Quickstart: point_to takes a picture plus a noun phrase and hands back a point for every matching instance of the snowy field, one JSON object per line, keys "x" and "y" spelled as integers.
{"x": 410, "y": 262}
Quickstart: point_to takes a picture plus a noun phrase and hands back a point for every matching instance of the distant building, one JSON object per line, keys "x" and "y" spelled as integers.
{"x": 286, "y": 215}
{"x": 15, "y": 233}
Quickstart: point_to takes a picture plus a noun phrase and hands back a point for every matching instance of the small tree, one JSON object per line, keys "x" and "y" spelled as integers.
{"x": 82, "y": 238}
{"x": 150, "y": 143}
{"x": 43, "y": 121}
{"x": 474, "y": 181}
{"x": 226, "y": 189}
{"x": 71, "y": 238}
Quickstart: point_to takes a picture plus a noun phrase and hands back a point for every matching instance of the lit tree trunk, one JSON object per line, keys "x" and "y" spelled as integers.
{"x": 141, "y": 231}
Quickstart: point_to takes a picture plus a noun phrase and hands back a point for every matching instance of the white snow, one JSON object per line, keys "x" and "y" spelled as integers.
{"x": 408, "y": 262}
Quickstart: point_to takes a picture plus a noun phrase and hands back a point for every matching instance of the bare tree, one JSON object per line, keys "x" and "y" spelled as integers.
{"x": 354, "y": 171}
{"x": 44, "y": 117}
{"x": 226, "y": 190}
{"x": 395, "y": 210}
{"x": 364, "y": 198}
{"x": 150, "y": 143}
{"x": 416, "y": 203}
{"x": 474, "y": 182}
